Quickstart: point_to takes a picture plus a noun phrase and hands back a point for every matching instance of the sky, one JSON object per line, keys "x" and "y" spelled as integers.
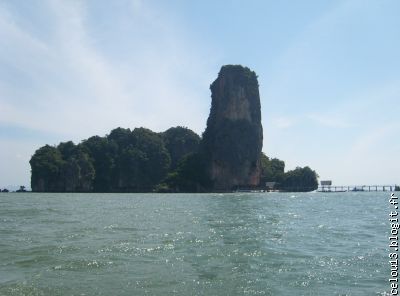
{"x": 328, "y": 73}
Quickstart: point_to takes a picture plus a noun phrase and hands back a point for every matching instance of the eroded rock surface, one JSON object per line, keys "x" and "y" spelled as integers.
{"x": 233, "y": 137}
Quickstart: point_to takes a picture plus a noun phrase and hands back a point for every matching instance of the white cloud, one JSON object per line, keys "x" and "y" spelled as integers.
{"x": 283, "y": 122}
{"x": 372, "y": 141}
{"x": 91, "y": 94}
{"x": 329, "y": 120}
{"x": 66, "y": 84}
{"x": 372, "y": 158}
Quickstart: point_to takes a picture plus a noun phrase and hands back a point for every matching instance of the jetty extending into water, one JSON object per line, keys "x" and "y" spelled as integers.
{"x": 330, "y": 188}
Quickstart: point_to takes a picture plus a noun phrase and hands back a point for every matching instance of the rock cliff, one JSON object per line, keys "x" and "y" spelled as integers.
{"x": 233, "y": 138}
{"x": 177, "y": 160}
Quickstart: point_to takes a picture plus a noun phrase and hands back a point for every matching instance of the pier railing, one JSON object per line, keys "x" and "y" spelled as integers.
{"x": 330, "y": 188}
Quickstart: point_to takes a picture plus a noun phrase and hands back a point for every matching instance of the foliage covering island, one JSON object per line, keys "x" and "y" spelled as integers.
{"x": 227, "y": 157}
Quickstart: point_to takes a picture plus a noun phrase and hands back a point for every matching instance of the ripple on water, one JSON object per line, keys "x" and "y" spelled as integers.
{"x": 206, "y": 244}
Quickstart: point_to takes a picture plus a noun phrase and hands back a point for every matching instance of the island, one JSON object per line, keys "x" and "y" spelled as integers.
{"x": 227, "y": 157}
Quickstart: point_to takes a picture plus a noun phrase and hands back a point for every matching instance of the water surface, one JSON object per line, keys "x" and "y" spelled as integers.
{"x": 194, "y": 244}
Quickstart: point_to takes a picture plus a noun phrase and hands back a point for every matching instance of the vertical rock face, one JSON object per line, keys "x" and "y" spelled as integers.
{"x": 233, "y": 137}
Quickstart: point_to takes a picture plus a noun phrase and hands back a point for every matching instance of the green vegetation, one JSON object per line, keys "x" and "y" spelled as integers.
{"x": 144, "y": 161}
{"x": 190, "y": 176}
{"x": 299, "y": 179}
{"x": 21, "y": 189}
{"x": 47, "y": 166}
{"x": 63, "y": 168}
{"x": 180, "y": 141}
{"x": 244, "y": 75}
{"x": 272, "y": 170}
{"x": 123, "y": 161}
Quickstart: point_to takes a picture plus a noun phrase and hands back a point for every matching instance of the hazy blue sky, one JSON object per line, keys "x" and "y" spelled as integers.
{"x": 329, "y": 74}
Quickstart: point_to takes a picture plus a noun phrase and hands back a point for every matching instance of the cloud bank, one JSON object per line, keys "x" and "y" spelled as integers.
{"x": 69, "y": 78}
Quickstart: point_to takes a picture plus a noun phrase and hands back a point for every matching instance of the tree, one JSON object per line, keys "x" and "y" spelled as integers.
{"x": 47, "y": 165}
{"x": 180, "y": 141}
{"x": 190, "y": 176}
{"x": 150, "y": 158}
{"x": 140, "y": 161}
{"x": 132, "y": 171}
{"x": 272, "y": 170}
{"x": 67, "y": 149}
{"x": 121, "y": 136}
{"x": 104, "y": 154}
{"x": 78, "y": 172}
{"x": 21, "y": 189}
{"x": 300, "y": 179}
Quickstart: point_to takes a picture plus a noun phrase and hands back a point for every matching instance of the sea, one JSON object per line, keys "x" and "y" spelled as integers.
{"x": 195, "y": 244}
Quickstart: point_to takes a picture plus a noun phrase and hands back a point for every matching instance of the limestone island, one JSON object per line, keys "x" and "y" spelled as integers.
{"x": 228, "y": 156}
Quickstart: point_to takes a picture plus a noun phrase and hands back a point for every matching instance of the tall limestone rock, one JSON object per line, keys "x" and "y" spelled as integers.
{"x": 233, "y": 138}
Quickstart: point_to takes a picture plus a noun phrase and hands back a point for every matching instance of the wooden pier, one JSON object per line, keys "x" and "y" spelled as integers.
{"x": 330, "y": 188}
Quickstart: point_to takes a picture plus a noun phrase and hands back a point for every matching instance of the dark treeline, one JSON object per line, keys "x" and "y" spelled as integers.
{"x": 141, "y": 160}
{"x": 123, "y": 161}
{"x": 299, "y": 179}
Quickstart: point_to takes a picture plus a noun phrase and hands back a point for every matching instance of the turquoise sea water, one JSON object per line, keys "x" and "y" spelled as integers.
{"x": 194, "y": 244}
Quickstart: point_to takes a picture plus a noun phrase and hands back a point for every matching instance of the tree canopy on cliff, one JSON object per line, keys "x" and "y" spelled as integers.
{"x": 123, "y": 161}
{"x": 189, "y": 176}
{"x": 272, "y": 170}
{"x": 47, "y": 165}
{"x": 300, "y": 179}
{"x": 63, "y": 168}
{"x": 180, "y": 141}
{"x": 138, "y": 161}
